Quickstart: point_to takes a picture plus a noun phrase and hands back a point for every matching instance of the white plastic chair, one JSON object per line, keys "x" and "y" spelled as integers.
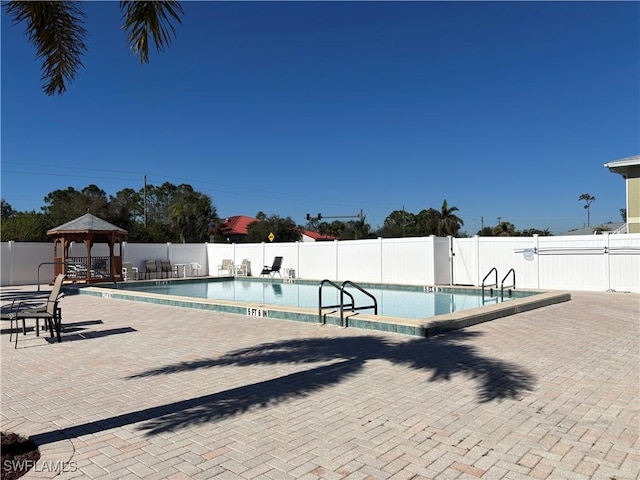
{"x": 129, "y": 272}
{"x": 195, "y": 268}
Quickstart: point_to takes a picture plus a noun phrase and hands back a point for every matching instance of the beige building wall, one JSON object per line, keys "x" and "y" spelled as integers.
{"x": 629, "y": 168}
{"x": 633, "y": 199}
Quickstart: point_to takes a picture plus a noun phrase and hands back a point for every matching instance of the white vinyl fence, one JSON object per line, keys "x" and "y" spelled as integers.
{"x": 591, "y": 262}
{"x": 585, "y": 262}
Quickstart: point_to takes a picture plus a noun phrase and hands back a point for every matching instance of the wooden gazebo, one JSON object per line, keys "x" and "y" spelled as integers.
{"x": 87, "y": 230}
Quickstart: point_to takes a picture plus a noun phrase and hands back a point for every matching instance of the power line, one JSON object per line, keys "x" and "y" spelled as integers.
{"x": 242, "y": 190}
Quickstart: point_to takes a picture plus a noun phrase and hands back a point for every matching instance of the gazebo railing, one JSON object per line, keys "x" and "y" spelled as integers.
{"x": 77, "y": 267}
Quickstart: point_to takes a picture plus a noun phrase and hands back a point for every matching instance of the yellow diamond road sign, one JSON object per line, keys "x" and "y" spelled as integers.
{"x": 271, "y": 237}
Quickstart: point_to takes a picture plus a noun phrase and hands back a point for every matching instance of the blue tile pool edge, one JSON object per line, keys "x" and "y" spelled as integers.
{"x": 404, "y": 326}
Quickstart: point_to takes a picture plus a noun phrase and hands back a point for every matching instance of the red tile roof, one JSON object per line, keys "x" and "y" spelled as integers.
{"x": 317, "y": 236}
{"x": 236, "y": 225}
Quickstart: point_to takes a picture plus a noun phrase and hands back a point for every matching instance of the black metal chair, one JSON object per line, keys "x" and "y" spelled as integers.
{"x": 275, "y": 268}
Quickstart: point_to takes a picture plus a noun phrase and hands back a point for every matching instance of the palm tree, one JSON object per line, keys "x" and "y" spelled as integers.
{"x": 56, "y": 30}
{"x": 361, "y": 228}
{"x": 448, "y": 223}
{"x": 504, "y": 229}
{"x": 589, "y": 199}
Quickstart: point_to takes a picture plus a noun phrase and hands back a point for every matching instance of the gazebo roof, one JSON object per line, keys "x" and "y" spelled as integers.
{"x": 87, "y": 223}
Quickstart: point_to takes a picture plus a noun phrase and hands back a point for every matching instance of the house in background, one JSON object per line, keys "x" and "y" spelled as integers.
{"x": 629, "y": 168}
{"x": 610, "y": 227}
{"x": 309, "y": 236}
{"x": 234, "y": 229}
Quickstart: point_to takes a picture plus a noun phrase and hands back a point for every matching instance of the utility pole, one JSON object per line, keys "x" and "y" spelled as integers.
{"x": 145, "y": 201}
{"x": 405, "y": 223}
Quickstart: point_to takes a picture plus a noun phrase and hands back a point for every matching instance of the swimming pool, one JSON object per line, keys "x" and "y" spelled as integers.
{"x": 406, "y": 309}
{"x": 391, "y": 300}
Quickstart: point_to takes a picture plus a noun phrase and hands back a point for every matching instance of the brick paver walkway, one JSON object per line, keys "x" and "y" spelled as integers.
{"x": 146, "y": 391}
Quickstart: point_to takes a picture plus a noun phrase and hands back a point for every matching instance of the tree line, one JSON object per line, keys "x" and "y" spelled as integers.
{"x": 165, "y": 213}
{"x": 180, "y": 214}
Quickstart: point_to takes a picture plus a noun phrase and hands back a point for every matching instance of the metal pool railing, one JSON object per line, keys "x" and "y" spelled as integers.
{"x": 350, "y": 306}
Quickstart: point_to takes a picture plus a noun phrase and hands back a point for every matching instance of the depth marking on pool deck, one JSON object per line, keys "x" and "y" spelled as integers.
{"x": 257, "y": 312}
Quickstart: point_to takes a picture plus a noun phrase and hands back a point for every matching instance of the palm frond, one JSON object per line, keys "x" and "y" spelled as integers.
{"x": 150, "y": 18}
{"x": 56, "y": 31}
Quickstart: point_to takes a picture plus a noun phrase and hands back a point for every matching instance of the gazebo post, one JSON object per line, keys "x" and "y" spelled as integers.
{"x": 87, "y": 244}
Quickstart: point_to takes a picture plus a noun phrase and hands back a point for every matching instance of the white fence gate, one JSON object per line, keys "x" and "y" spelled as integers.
{"x": 584, "y": 262}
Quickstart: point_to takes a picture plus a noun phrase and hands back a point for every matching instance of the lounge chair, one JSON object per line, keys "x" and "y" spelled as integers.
{"x": 242, "y": 270}
{"x": 275, "y": 268}
{"x": 150, "y": 267}
{"x": 129, "y": 272}
{"x": 226, "y": 266}
{"x": 78, "y": 271}
{"x": 168, "y": 269}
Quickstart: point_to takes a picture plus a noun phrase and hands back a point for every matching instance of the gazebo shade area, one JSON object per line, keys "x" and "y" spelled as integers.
{"x": 73, "y": 250}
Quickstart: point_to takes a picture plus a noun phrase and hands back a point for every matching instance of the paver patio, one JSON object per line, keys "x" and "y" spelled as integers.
{"x": 144, "y": 391}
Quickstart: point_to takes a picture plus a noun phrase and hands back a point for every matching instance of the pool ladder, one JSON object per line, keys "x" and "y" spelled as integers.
{"x": 510, "y": 288}
{"x": 342, "y": 305}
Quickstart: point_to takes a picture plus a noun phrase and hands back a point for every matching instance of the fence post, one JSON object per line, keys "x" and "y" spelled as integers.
{"x": 206, "y": 259}
{"x": 476, "y": 242}
{"x": 380, "y": 260}
{"x": 451, "y": 255}
{"x": 298, "y": 259}
{"x": 536, "y": 258}
{"x": 337, "y": 258}
{"x": 607, "y": 261}
{"x": 11, "y": 262}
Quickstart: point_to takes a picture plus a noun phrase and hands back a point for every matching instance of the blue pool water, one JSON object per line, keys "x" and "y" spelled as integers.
{"x": 404, "y": 302}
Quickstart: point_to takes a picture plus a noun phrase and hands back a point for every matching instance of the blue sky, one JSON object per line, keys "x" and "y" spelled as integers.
{"x": 506, "y": 109}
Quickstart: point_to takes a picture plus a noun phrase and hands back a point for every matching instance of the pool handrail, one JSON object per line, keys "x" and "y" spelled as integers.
{"x": 353, "y": 307}
{"x": 494, "y": 269}
{"x": 512, "y": 286}
{"x": 321, "y": 318}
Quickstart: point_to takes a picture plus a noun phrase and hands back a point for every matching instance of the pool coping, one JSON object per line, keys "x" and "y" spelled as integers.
{"x": 406, "y": 326}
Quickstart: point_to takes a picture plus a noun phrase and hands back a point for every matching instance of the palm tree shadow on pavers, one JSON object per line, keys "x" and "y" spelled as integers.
{"x": 443, "y": 357}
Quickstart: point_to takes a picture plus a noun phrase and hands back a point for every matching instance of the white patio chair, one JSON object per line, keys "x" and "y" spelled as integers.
{"x": 242, "y": 270}
{"x": 129, "y": 272}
